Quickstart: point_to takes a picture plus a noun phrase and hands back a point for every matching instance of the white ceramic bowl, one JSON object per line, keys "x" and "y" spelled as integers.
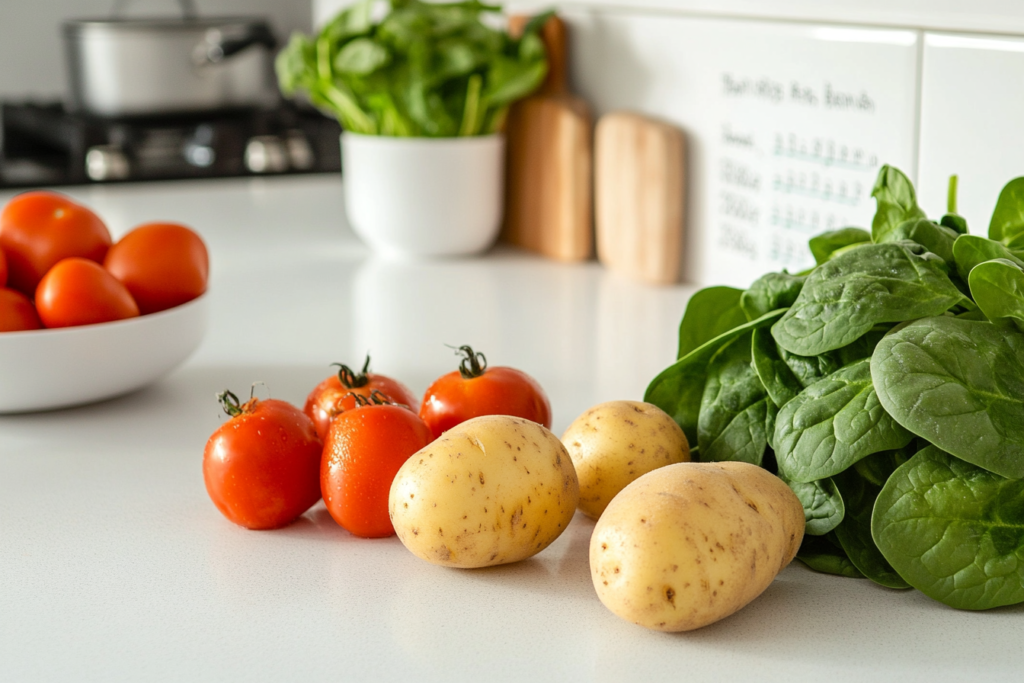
{"x": 424, "y": 197}
{"x": 45, "y": 369}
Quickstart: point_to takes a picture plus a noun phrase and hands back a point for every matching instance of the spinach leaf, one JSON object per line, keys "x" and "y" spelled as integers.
{"x": 823, "y": 504}
{"x": 823, "y": 246}
{"x": 854, "y": 533}
{"x": 832, "y": 424}
{"x": 771, "y": 292}
{"x": 847, "y": 296}
{"x": 769, "y": 362}
{"x": 734, "y": 408}
{"x": 935, "y": 238}
{"x": 953, "y": 531}
{"x": 1007, "y": 224}
{"x": 710, "y": 312}
{"x": 878, "y": 467}
{"x": 971, "y": 250}
{"x": 824, "y": 554}
{"x": 897, "y": 202}
{"x": 679, "y": 388}
{"x": 960, "y": 385}
{"x": 422, "y": 69}
{"x": 998, "y": 288}
{"x": 957, "y": 224}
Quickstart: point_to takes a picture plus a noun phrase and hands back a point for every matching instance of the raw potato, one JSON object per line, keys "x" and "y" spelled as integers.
{"x": 493, "y": 490}
{"x": 689, "y": 544}
{"x": 614, "y": 443}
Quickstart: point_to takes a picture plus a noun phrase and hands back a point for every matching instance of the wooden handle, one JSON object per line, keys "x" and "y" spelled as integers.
{"x": 555, "y": 36}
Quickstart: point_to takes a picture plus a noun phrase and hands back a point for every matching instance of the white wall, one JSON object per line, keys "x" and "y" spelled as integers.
{"x": 31, "y": 52}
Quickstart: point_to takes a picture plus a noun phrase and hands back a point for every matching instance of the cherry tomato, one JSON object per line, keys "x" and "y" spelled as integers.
{"x": 38, "y": 229}
{"x": 17, "y": 312}
{"x": 262, "y": 467}
{"x": 77, "y": 291}
{"x": 474, "y": 390}
{"x": 363, "y": 452}
{"x": 163, "y": 265}
{"x": 337, "y": 393}
{"x": 3, "y": 269}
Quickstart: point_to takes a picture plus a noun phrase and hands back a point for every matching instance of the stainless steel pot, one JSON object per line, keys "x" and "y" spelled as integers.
{"x": 130, "y": 67}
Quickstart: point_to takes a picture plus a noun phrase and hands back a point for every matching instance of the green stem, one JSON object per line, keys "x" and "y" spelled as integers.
{"x": 351, "y": 379}
{"x": 473, "y": 364}
{"x": 951, "y": 195}
{"x": 471, "y": 112}
{"x": 230, "y": 403}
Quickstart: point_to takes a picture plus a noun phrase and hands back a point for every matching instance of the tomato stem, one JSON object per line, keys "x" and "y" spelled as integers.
{"x": 473, "y": 363}
{"x": 376, "y": 398}
{"x": 230, "y": 403}
{"x": 349, "y": 378}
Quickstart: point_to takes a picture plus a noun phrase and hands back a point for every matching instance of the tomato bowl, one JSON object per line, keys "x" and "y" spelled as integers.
{"x": 59, "y": 368}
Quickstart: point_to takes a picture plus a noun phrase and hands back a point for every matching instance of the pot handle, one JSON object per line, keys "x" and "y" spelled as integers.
{"x": 217, "y": 47}
{"x": 188, "y": 8}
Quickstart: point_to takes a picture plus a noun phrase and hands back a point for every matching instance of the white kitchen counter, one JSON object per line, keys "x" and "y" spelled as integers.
{"x": 114, "y": 565}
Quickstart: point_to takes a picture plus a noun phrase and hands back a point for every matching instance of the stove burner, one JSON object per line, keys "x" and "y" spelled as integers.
{"x": 45, "y": 145}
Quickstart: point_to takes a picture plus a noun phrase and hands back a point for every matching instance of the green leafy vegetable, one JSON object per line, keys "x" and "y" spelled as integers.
{"x": 824, "y": 554}
{"x": 889, "y": 395}
{"x": 734, "y": 408}
{"x": 769, "y": 293}
{"x": 828, "y": 243}
{"x": 847, "y": 296}
{"x": 679, "y": 388}
{"x": 960, "y": 385}
{"x": 897, "y": 202}
{"x": 1007, "y": 224}
{"x": 953, "y": 531}
{"x": 998, "y": 288}
{"x": 423, "y": 69}
{"x": 971, "y": 250}
{"x": 823, "y": 504}
{"x": 710, "y": 312}
{"x": 854, "y": 532}
{"x": 832, "y": 424}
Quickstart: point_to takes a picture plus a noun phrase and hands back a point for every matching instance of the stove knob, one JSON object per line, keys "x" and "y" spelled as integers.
{"x": 266, "y": 154}
{"x": 300, "y": 152}
{"x": 106, "y": 162}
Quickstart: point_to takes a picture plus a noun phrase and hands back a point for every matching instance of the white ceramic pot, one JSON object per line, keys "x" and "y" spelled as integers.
{"x": 424, "y": 197}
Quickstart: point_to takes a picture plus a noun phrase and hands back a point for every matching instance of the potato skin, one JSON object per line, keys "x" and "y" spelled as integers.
{"x": 492, "y": 490}
{"x": 689, "y": 544}
{"x": 614, "y": 443}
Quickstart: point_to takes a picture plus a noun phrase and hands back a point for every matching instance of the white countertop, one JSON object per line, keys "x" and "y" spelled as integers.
{"x": 114, "y": 565}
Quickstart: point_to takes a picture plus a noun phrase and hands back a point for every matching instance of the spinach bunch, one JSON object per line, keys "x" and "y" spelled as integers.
{"x": 885, "y": 386}
{"x": 423, "y": 70}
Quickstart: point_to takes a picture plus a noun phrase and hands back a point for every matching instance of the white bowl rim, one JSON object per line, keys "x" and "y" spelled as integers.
{"x": 51, "y": 332}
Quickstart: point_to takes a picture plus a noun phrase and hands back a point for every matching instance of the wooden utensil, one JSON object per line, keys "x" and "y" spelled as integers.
{"x": 548, "y": 199}
{"x": 639, "y": 185}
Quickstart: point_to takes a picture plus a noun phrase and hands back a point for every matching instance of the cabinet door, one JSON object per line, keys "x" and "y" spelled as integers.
{"x": 787, "y": 124}
{"x": 972, "y": 122}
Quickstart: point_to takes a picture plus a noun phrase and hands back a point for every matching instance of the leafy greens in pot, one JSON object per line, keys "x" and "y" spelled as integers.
{"x": 423, "y": 69}
{"x": 887, "y": 386}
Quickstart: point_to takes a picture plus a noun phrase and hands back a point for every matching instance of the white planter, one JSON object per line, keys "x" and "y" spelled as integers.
{"x": 424, "y": 197}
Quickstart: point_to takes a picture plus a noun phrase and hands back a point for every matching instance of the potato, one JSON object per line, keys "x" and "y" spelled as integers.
{"x": 493, "y": 490}
{"x": 689, "y": 544}
{"x": 614, "y": 443}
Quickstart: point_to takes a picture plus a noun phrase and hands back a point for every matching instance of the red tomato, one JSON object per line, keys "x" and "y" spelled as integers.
{"x": 334, "y": 395}
{"x": 474, "y": 390}
{"x": 262, "y": 467}
{"x": 77, "y": 291}
{"x": 17, "y": 312}
{"x": 163, "y": 265}
{"x": 362, "y": 454}
{"x": 3, "y": 269}
{"x": 38, "y": 229}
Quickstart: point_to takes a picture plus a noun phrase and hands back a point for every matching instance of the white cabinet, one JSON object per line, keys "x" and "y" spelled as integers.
{"x": 972, "y": 121}
{"x": 787, "y": 124}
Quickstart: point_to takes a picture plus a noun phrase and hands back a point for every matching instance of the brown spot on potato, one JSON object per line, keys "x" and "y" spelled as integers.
{"x": 481, "y": 479}
{"x": 670, "y": 595}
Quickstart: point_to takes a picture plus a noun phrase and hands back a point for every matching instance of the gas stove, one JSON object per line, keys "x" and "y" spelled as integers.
{"x": 43, "y": 144}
